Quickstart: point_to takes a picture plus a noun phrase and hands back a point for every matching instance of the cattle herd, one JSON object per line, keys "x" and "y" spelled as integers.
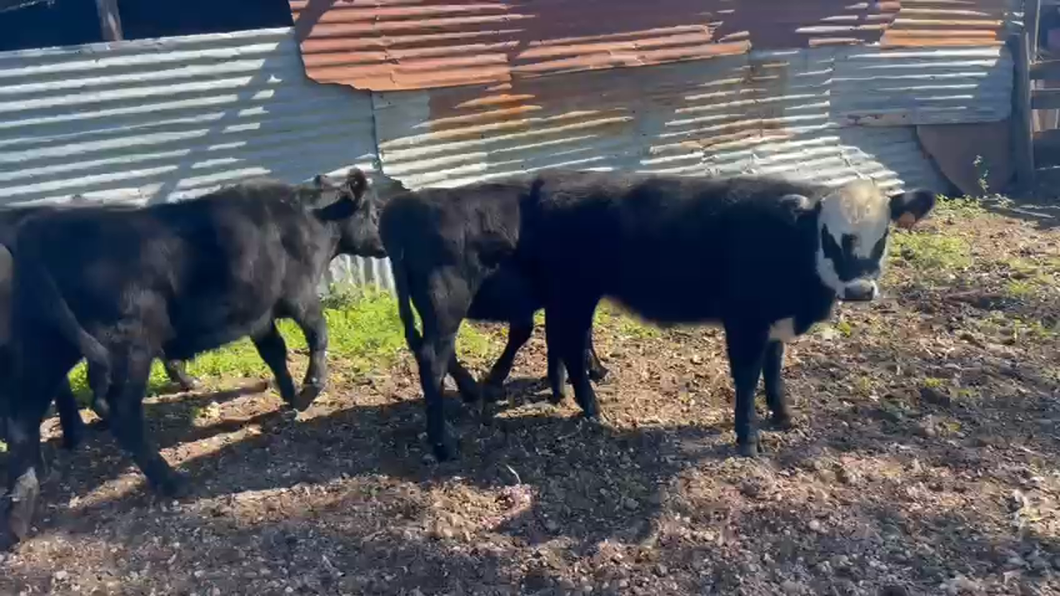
{"x": 119, "y": 286}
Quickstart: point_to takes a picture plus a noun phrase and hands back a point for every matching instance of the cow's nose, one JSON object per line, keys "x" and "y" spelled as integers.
{"x": 861, "y": 290}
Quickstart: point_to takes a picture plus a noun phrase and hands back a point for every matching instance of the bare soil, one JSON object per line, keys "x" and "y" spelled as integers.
{"x": 925, "y": 462}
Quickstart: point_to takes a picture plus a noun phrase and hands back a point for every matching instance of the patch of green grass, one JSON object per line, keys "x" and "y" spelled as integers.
{"x": 933, "y": 383}
{"x": 844, "y": 328}
{"x": 364, "y": 332}
{"x": 959, "y": 207}
{"x": 624, "y": 324}
{"x": 1014, "y": 330}
{"x": 932, "y": 253}
{"x": 1028, "y": 277}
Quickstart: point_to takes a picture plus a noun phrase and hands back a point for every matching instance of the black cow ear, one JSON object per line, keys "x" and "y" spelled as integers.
{"x": 340, "y": 209}
{"x": 356, "y": 184}
{"x": 908, "y": 208}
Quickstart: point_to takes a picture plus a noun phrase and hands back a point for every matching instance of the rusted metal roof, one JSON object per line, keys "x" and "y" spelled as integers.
{"x": 389, "y": 45}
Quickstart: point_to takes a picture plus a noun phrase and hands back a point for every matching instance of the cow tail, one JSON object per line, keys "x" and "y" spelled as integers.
{"x": 408, "y": 318}
{"x": 50, "y": 300}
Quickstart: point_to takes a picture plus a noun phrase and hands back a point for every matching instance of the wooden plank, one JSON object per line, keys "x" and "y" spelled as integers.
{"x": 1045, "y": 70}
{"x": 1047, "y": 140}
{"x": 1022, "y": 132}
{"x": 1031, "y": 19}
{"x": 109, "y": 21}
{"x": 1045, "y": 99}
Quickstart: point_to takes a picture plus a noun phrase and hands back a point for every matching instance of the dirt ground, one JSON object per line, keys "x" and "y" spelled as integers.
{"x": 925, "y": 462}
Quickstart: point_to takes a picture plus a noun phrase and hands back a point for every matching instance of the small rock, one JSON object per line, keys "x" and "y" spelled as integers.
{"x": 792, "y": 587}
{"x": 816, "y": 526}
{"x": 750, "y": 489}
{"x": 61, "y": 576}
{"x": 894, "y": 590}
{"x": 623, "y": 584}
{"x": 630, "y": 504}
{"x": 661, "y": 570}
{"x": 934, "y": 396}
{"x": 846, "y": 475}
{"x": 551, "y": 525}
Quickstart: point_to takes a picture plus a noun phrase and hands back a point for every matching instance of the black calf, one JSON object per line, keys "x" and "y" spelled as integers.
{"x": 120, "y": 286}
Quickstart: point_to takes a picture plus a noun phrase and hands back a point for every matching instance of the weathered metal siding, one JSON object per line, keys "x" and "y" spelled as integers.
{"x": 794, "y": 112}
{"x": 156, "y": 120}
{"x": 392, "y": 45}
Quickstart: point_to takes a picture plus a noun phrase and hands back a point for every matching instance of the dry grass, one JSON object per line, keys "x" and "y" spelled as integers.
{"x": 925, "y": 461}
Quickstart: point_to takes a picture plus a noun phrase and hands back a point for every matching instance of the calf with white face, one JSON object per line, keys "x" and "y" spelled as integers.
{"x": 766, "y": 258}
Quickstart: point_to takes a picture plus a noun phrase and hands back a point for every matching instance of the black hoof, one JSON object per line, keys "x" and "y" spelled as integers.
{"x": 748, "y": 449}
{"x": 188, "y": 384}
{"x": 781, "y": 423}
{"x": 597, "y": 375}
{"x": 593, "y": 418}
{"x": 72, "y": 440}
{"x": 493, "y": 392}
{"x": 443, "y": 452}
{"x": 175, "y": 486}
{"x": 306, "y": 397}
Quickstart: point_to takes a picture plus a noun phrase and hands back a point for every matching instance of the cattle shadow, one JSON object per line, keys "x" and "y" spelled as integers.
{"x": 591, "y": 482}
{"x": 376, "y": 538}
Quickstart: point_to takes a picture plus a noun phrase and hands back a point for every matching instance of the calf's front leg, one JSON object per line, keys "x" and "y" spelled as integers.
{"x": 746, "y": 346}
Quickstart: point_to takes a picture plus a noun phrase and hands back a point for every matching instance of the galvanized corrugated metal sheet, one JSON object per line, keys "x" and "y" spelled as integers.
{"x": 391, "y": 45}
{"x": 156, "y": 120}
{"x": 787, "y": 112}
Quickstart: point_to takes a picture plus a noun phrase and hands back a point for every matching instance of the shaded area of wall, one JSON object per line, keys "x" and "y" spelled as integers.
{"x": 163, "y": 119}
{"x": 391, "y": 45}
{"x": 971, "y": 155}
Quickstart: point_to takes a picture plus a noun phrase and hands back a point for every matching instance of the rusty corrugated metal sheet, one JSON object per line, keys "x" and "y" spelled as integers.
{"x": 390, "y": 45}
{"x": 156, "y": 120}
{"x": 789, "y": 112}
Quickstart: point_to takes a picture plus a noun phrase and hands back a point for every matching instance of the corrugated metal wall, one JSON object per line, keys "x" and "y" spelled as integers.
{"x": 156, "y": 120}
{"x": 161, "y": 119}
{"x": 800, "y": 112}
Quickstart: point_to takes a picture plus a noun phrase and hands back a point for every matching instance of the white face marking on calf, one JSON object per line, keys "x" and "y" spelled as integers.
{"x": 852, "y": 238}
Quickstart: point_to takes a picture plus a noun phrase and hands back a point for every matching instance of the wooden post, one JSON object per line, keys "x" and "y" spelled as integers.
{"x": 109, "y": 21}
{"x": 1022, "y": 131}
{"x": 1031, "y": 19}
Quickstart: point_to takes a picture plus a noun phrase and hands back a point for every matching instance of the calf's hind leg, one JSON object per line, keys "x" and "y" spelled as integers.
{"x": 519, "y": 333}
{"x": 36, "y": 380}
{"x": 774, "y": 382}
{"x": 442, "y": 303}
{"x": 309, "y": 315}
{"x": 567, "y": 327}
{"x": 125, "y": 399}
{"x": 273, "y": 350}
